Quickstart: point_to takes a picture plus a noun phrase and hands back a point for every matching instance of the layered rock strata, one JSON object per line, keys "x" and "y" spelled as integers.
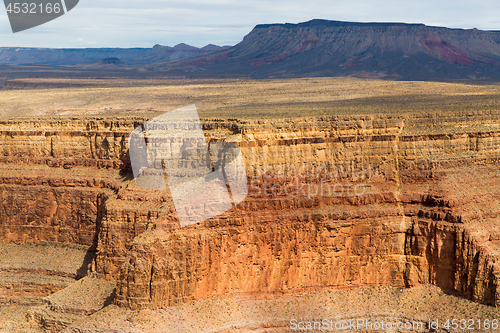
{"x": 30, "y": 272}
{"x": 396, "y": 200}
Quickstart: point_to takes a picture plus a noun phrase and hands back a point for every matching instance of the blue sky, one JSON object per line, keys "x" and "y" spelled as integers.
{"x": 143, "y": 23}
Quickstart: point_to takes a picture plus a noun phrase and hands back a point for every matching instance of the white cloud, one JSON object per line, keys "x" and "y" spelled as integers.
{"x": 128, "y": 23}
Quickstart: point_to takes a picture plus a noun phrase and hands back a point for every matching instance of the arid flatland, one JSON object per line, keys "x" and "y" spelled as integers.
{"x": 254, "y": 99}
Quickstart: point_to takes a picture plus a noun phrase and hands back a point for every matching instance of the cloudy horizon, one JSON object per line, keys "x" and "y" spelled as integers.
{"x": 93, "y": 23}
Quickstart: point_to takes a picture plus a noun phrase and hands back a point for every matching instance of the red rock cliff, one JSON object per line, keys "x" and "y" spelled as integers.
{"x": 371, "y": 200}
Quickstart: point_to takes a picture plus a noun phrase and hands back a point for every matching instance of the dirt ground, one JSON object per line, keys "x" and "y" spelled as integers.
{"x": 240, "y": 98}
{"x": 417, "y": 308}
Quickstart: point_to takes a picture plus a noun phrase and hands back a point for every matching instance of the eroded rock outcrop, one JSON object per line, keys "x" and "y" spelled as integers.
{"x": 333, "y": 202}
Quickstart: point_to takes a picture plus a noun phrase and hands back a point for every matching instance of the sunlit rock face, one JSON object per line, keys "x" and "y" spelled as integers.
{"x": 332, "y": 202}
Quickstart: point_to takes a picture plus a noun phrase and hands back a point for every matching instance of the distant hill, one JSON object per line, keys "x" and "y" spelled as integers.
{"x": 108, "y": 63}
{"x": 333, "y": 48}
{"x": 161, "y": 53}
{"x": 129, "y": 56}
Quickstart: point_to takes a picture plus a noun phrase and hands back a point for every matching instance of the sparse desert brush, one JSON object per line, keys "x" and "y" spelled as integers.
{"x": 254, "y": 99}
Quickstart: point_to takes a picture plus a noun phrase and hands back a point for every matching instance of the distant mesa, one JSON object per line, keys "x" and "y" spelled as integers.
{"x": 334, "y": 48}
{"x": 75, "y": 56}
{"x": 111, "y": 61}
{"x": 310, "y": 49}
{"x": 214, "y": 48}
{"x": 161, "y": 53}
{"x": 108, "y": 63}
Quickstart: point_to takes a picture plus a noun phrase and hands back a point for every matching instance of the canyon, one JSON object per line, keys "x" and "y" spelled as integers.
{"x": 344, "y": 202}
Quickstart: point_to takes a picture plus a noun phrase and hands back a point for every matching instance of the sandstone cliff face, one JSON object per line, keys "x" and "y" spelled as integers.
{"x": 32, "y": 214}
{"x": 269, "y": 257}
{"x": 333, "y": 202}
{"x": 447, "y": 256}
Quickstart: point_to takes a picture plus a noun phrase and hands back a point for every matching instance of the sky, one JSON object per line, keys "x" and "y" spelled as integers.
{"x": 144, "y": 23}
